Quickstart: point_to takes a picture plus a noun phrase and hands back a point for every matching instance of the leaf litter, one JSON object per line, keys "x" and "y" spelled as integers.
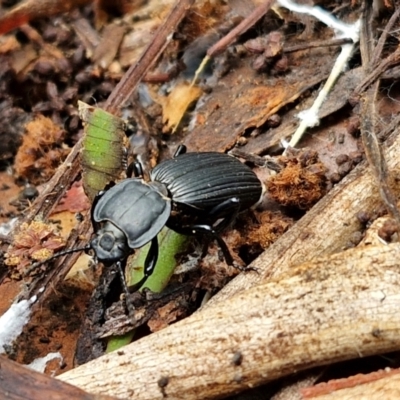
{"x": 249, "y": 99}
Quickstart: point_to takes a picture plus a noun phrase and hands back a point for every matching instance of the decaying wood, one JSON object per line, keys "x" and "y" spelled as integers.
{"x": 384, "y": 384}
{"x": 21, "y": 383}
{"x": 336, "y": 308}
{"x": 326, "y": 229}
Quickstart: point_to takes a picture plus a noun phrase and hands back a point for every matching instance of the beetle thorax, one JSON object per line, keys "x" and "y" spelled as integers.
{"x": 110, "y": 243}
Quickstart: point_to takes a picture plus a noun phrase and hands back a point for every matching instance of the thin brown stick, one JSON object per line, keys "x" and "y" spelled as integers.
{"x": 373, "y": 69}
{"x": 382, "y": 40}
{"x": 228, "y": 39}
{"x": 56, "y": 187}
{"x": 137, "y": 71}
{"x": 373, "y": 150}
{"x": 54, "y": 190}
{"x": 317, "y": 44}
{"x": 247, "y": 23}
{"x": 369, "y": 116}
{"x": 391, "y": 60}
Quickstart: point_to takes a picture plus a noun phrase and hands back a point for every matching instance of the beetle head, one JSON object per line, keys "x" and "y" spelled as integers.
{"x": 109, "y": 243}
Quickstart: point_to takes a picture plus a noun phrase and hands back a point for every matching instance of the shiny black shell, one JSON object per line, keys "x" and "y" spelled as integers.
{"x": 205, "y": 180}
{"x": 137, "y": 208}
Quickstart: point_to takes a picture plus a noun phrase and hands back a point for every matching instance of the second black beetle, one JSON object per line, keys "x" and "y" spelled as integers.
{"x": 188, "y": 193}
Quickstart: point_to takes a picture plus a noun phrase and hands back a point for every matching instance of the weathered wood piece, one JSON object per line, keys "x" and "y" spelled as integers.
{"x": 335, "y": 308}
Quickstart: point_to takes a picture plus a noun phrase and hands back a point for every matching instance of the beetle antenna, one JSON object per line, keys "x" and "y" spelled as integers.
{"x": 54, "y": 256}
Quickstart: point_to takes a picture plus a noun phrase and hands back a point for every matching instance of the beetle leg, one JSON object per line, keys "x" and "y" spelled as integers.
{"x": 180, "y": 150}
{"x": 151, "y": 259}
{"x": 209, "y": 231}
{"x": 230, "y": 206}
{"x": 149, "y": 265}
{"x": 135, "y": 169}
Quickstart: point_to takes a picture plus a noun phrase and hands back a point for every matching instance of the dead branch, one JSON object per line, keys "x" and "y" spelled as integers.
{"x": 335, "y": 308}
{"x": 18, "y": 382}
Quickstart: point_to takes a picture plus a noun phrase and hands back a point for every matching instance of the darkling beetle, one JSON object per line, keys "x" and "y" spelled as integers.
{"x": 192, "y": 193}
{"x": 188, "y": 193}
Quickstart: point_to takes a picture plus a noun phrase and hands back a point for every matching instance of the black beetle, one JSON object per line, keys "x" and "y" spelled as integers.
{"x": 192, "y": 193}
{"x": 189, "y": 193}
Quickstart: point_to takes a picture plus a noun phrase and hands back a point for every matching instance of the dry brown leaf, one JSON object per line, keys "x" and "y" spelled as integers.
{"x": 177, "y": 103}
